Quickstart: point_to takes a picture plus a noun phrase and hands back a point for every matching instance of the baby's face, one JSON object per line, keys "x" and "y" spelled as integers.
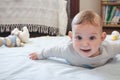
{"x": 87, "y": 39}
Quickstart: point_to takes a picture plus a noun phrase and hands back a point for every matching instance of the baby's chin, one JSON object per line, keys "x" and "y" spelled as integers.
{"x": 89, "y": 55}
{"x": 86, "y": 53}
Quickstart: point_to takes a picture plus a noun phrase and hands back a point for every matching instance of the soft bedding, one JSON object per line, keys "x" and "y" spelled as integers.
{"x": 16, "y": 65}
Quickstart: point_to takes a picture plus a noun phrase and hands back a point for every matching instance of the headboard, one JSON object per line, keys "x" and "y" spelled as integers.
{"x": 72, "y": 9}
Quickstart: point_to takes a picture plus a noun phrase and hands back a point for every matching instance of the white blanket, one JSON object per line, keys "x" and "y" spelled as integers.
{"x": 50, "y": 13}
{"x": 16, "y": 65}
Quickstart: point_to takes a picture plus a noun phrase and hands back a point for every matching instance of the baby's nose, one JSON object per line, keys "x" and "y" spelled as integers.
{"x": 85, "y": 43}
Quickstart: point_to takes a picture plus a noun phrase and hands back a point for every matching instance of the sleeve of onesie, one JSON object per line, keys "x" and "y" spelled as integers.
{"x": 115, "y": 46}
{"x": 55, "y": 51}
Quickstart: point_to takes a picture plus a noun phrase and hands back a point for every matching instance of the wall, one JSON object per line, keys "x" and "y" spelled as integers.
{"x": 90, "y": 4}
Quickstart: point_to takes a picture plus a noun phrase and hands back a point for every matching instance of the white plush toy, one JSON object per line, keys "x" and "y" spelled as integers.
{"x": 115, "y": 35}
{"x": 23, "y": 35}
{"x": 11, "y": 41}
{"x": 16, "y": 39}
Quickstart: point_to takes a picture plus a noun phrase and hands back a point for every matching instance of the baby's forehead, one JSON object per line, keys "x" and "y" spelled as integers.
{"x": 86, "y": 26}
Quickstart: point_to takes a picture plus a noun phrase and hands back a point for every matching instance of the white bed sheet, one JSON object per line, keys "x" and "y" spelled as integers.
{"x": 16, "y": 65}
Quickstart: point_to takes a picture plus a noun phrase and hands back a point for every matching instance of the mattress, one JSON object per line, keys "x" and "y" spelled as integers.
{"x": 16, "y": 65}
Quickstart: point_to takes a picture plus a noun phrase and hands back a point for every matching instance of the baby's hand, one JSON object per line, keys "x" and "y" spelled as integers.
{"x": 33, "y": 56}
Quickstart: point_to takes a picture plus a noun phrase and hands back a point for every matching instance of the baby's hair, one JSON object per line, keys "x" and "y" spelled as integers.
{"x": 88, "y": 16}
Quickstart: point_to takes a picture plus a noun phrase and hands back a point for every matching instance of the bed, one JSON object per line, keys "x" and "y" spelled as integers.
{"x": 16, "y": 65}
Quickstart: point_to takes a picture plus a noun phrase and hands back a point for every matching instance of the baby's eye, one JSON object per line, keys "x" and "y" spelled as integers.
{"x": 78, "y": 37}
{"x": 92, "y": 37}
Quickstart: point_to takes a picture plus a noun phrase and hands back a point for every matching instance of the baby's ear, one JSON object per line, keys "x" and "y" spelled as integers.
{"x": 70, "y": 34}
{"x": 103, "y": 36}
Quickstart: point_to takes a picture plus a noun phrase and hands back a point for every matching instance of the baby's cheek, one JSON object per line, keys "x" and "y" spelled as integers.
{"x": 96, "y": 44}
{"x": 76, "y": 47}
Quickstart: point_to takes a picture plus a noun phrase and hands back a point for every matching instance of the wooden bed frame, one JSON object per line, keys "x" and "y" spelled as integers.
{"x": 72, "y": 10}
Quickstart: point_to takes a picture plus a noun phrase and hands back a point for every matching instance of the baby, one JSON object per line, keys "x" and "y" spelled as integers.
{"x": 87, "y": 48}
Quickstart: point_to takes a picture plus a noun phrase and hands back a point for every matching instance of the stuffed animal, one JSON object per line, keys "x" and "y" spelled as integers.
{"x": 17, "y": 38}
{"x": 11, "y": 41}
{"x": 23, "y": 35}
{"x": 115, "y": 35}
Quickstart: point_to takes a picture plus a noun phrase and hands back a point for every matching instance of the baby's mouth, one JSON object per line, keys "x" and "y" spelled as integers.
{"x": 85, "y": 50}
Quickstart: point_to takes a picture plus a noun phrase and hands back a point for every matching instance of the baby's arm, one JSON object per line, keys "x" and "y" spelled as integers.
{"x": 56, "y": 51}
{"x": 116, "y": 46}
{"x": 113, "y": 46}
